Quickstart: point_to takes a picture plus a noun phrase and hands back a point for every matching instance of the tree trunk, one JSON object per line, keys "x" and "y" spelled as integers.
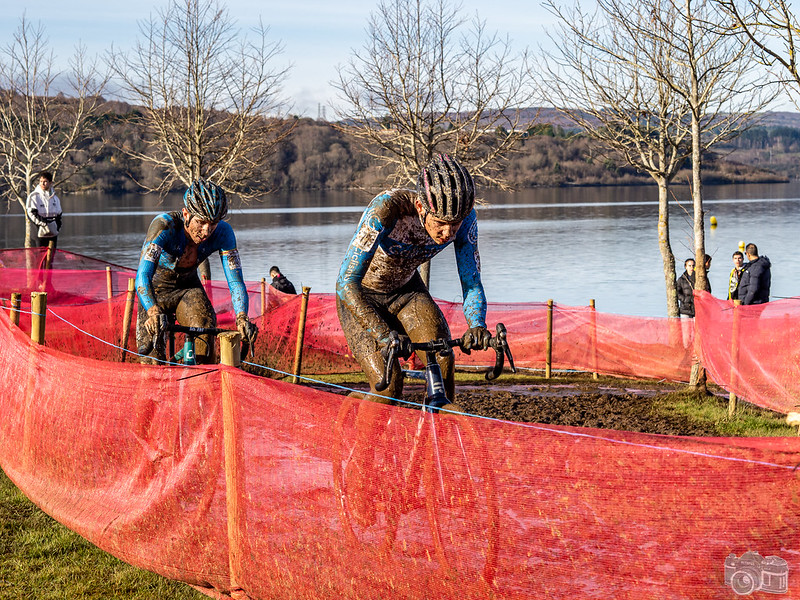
{"x": 667, "y": 257}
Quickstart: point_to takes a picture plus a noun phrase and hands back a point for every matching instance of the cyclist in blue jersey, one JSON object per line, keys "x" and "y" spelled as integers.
{"x": 167, "y": 282}
{"x": 379, "y": 290}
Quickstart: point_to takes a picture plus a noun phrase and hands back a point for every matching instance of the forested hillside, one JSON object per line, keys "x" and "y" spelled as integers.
{"x": 319, "y": 156}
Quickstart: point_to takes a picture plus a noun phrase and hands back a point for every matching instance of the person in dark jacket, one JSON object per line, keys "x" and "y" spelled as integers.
{"x": 279, "y": 281}
{"x": 756, "y": 277}
{"x": 685, "y": 287}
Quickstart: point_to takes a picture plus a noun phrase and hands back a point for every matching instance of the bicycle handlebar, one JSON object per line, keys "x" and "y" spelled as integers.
{"x": 395, "y": 349}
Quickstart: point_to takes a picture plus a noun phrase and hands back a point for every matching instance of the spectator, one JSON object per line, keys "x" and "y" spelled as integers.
{"x": 708, "y": 268}
{"x": 44, "y": 209}
{"x": 756, "y": 277}
{"x": 279, "y": 281}
{"x": 685, "y": 288}
{"x": 736, "y": 276}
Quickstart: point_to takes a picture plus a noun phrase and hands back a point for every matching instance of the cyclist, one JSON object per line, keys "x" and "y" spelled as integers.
{"x": 379, "y": 290}
{"x": 167, "y": 282}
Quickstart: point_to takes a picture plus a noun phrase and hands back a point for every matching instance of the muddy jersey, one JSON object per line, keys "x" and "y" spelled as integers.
{"x": 388, "y": 246}
{"x": 163, "y": 247}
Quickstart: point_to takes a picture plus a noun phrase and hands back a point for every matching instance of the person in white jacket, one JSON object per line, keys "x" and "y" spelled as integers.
{"x": 44, "y": 210}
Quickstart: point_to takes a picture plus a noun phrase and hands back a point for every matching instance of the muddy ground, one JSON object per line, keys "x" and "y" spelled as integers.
{"x": 581, "y": 404}
{"x": 579, "y": 400}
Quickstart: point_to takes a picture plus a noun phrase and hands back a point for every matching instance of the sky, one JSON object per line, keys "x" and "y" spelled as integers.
{"x": 317, "y": 35}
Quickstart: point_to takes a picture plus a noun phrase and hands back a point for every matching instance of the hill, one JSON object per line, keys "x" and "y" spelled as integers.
{"x": 553, "y": 153}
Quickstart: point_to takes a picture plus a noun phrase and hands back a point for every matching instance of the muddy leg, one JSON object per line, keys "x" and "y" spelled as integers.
{"x": 195, "y": 310}
{"x": 423, "y": 321}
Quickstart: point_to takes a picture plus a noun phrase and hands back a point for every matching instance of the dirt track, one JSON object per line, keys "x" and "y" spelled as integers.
{"x": 582, "y": 404}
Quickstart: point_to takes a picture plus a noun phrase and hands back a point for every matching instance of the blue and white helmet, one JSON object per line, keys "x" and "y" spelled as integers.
{"x": 206, "y": 201}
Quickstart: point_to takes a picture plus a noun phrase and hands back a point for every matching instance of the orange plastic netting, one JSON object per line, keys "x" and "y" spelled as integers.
{"x": 246, "y": 486}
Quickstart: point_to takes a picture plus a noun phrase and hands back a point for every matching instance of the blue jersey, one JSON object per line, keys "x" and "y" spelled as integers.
{"x": 163, "y": 248}
{"x": 388, "y": 247}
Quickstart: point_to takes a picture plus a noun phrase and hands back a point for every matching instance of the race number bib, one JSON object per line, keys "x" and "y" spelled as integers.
{"x": 232, "y": 256}
{"x": 153, "y": 253}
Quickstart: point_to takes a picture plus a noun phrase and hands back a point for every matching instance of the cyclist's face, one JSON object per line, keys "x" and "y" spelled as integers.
{"x": 198, "y": 230}
{"x": 440, "y": 231}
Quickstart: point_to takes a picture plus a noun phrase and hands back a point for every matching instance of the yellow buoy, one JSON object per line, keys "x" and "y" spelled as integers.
{"x": 713, "y": 221}
{"x": 741, "y": 246}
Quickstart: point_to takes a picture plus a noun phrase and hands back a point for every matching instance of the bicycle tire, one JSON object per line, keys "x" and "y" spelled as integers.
{"x": 472, "y": 552}
{"x": 461, "y": 500}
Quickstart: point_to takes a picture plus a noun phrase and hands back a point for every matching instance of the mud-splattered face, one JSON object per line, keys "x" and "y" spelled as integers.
{"x": 440, "y": 231}
{"x": 198, "y": 230}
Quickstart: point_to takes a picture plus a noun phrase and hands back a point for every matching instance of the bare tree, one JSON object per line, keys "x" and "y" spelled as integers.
{"x": 668, "y": 85}
{"x": 42, "y": 127}
{"x": 774, "y": 32}
{"x": 427, "y": 82}
{"x": 715, "y": 74}
{"x": 603, "y": 75}
{"x": 211, "y": 96}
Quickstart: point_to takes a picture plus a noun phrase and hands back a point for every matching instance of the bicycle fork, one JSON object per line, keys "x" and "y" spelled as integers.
{"x": 435, "y": 396}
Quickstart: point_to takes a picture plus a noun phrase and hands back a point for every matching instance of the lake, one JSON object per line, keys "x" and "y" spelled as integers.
{"x": 568, "y": 244}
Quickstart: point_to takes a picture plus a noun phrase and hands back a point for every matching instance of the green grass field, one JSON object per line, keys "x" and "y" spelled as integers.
{"x": 41, "y": 559}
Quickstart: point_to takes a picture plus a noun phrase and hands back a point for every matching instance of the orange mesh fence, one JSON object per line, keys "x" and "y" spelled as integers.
{"x": 250, "y": 487}
{"x": 752, "y": 351}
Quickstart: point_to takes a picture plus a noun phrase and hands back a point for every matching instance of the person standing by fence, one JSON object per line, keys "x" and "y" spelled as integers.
{"x": 736, "y": 276}
{"x": 756, "y": 277}
{"x": 279, "y": 281}
{"x": 43, "y": 209}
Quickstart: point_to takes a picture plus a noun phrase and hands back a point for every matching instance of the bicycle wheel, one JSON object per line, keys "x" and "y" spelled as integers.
{"x": 461, "y": 500}
{"x": 362, "y": 471}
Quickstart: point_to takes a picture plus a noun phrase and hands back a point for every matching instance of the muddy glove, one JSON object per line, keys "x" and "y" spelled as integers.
{"x": 476, "y": 338}
{"x": 246, "y": 328}
{"x": 156, "y": 321}
{"x": 401, "y": 344}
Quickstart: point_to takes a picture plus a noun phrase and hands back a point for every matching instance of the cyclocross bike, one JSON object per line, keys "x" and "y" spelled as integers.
{"x": 436, "y": 500}
{"x": 186, "y": 354}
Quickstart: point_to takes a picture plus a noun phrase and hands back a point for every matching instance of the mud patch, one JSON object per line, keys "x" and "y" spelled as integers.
{"x": 583, "y": 404}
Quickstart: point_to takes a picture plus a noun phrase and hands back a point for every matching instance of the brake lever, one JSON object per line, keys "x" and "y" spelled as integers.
{"x": 157, "y": 341}
{"x": 503, "y": 335}
{"x": 502, "y": 350}
{"x": 391, "y": 351}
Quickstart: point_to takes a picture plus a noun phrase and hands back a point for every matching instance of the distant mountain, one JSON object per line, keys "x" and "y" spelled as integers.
{"x": 551, "y": 115}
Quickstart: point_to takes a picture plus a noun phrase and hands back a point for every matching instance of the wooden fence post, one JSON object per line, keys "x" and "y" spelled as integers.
{"x": 38, "y": 316}
{"x": 548, "y": 365}
{"x": 301, "y": 332}
{"x": 230, "y": 348}
{"x": 109, "y": 283}
{"x": 235, "y": 489}
{"x": 734, "y": 358}
{"x": 263, "y": 296}
{"x": 51, "y": 252}
{"x": 127, "y": 318}
{"x": 594, "y": 339}
{"x": 16, "y": 302}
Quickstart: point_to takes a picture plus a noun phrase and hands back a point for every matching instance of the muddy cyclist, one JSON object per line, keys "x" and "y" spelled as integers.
{"x": 379, "y": 292}
{"x": 167, "y": 282}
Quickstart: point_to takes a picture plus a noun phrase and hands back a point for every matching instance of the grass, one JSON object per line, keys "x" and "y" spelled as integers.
{"x": 41, "y": 559}
{"x": 747, "y": 421}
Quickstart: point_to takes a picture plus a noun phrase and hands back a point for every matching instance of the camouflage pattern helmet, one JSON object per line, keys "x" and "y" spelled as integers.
{"x": 206, "y": 201}
{"x": 446, "y": 189}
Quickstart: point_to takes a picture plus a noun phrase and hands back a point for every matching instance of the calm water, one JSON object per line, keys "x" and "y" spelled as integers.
{"x": 566, "y": 244}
